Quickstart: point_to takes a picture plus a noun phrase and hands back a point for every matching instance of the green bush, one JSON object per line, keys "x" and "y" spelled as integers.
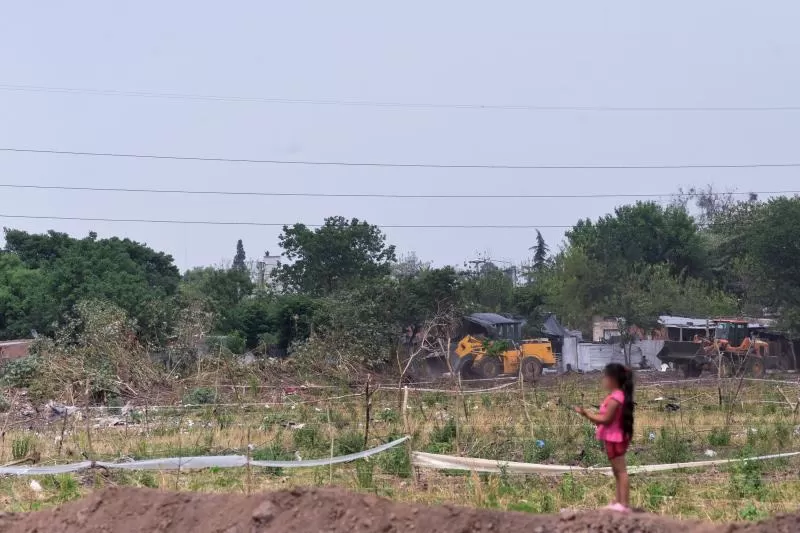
{"x": 19, "y": 373}
{"x": 671, "y": 447}
{"x": 719, "y": 437}
{"x": 657, "y": 493}
{"x": 442, "y": 437}
{"x": 200, "y": 396}
{"x": 272, "y": 452}
{"x": 20, "y": 448}
{"x": 348, "y": 443}
{"x": 746, "y": 479}
{"x": 397, "y": 461}
{"x": 308, "y": 438}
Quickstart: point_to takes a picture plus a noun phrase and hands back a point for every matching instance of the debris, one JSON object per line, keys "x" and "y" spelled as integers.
{"x": 57, "y": 410}
{"x": 35, "y": 486}
{"x": 710, "y": 453}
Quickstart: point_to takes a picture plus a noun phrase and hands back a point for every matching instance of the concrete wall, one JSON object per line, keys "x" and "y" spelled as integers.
{"x": 592, "y": 357}
{"x": 569, "y": 354}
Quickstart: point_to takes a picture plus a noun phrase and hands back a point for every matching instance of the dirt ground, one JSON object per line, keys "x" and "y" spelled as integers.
{"x": 125, "y": 510}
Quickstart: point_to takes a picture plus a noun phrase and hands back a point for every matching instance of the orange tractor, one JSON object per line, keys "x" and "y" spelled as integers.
{"x": 729, "y": 349}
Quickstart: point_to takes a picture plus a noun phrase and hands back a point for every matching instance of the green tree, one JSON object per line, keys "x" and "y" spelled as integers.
{"x": 128, "y": 274}
{"x": 488, "y": 288}
{"x": 540, "y": 251}
{"x": 222, "y": 290}
{"x": 652, "y": 290}
{"x": 239, "y": 260}
{"x": 24, "y": 304}
{"x": 339, "y": 255}
{"x": 643, "y": 233}
{"x": 764, "y": 242}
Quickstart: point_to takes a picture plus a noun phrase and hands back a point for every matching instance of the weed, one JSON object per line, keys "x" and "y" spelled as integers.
{"x": 64, "y": 485}
{"x": 349, "y": 443}
{"x": 746, "y": 480}
{"x": 397, "y": 461}
{"x": 657, "y": 493}
{"x": 672, "y": 447}
{"x": 200, "y": 396}
{"x": 146, "y": 479}
{"x": 272, "y": 452}
{"x": 389, "y": 416}
{"x": 223, "y": 418}
{"x": 21, "y": 447}
{"x": 432, "y": 399}
{"x": 752, "y": 513}
{"x": 442, "y": 437}
{"x": 571, "y": 490}
{"x": 719, "y": 437}
{"x": 365, "y": 474}
{"x": 308, "y": 438}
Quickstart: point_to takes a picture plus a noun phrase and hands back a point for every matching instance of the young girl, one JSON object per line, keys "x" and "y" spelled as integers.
{"x": 614, "y": 424}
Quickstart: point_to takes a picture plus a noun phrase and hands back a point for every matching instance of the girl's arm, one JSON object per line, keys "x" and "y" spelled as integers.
{"x": 597, "y": 418}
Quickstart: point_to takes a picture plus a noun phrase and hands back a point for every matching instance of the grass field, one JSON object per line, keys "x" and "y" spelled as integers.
{"x": 675, "y": 422}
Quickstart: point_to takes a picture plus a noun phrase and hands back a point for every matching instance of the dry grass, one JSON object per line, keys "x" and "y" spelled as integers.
{"x": 531, "y": 425}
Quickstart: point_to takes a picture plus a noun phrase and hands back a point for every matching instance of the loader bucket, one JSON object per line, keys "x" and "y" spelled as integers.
{"x": 682, "y": 352}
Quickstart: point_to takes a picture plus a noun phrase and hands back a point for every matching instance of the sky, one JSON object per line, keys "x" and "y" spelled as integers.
{"x": 716, "y": 53}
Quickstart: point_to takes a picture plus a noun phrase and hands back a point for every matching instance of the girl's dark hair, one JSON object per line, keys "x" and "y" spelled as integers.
{"x": 624, "y": 378}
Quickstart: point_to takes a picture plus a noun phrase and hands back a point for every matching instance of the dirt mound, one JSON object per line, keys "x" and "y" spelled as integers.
{"x": 136, "y": 510}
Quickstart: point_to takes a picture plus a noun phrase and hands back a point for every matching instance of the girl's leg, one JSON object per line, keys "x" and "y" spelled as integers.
{"x": 614, "y": 470}
{"x": 623, "y": 484}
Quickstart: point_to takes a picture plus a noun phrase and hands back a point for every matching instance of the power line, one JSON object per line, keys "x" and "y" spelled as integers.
{"x": 387, "y": 104}
{"x": 374, "y": 195}
{"x": 301, "y": 162}
{"x": 277, "y": 224}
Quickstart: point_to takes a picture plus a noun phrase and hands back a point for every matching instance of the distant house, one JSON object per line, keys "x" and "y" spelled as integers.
{"x": 606, "y": 329}
{"x": 15, "y": 349}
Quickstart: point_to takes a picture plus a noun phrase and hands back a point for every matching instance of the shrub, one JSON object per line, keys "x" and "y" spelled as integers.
{"x": 200, "y": 396}
{"x": 272, "y": 452}
{"x": 670, "y": 447}
{"x": 19, "y": 373}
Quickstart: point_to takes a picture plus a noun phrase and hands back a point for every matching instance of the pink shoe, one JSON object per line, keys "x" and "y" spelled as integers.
{"x": 618, "y": 508}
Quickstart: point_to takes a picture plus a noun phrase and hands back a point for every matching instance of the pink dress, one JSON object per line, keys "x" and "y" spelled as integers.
{"x": 612, "y": 432}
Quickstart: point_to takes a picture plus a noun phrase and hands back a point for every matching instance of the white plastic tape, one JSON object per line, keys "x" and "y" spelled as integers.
{"x": 195, "y": 463}
{"x": 447, "y": 462}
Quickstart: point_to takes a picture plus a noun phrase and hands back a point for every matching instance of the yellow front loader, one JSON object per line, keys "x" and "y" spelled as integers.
{"x": 493, "y": 346}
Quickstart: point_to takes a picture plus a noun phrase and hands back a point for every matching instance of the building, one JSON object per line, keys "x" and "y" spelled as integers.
{"x": 264, "y": 268}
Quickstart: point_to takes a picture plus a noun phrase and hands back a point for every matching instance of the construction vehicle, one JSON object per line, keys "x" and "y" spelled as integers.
{"x": 730, "y": 348}
{"x": 493, "y": 345}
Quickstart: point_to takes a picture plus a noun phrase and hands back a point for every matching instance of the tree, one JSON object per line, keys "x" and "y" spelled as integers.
{"x": 338, "y": 255}
{"x": 128, "y": 274}
{"x": 540, "y": 252}
{"x": 766, "y": 241}
{"x": 222, "y": 290}
{"x": 240, "y": 258}
{"x": 651, "y": 291}
{"x": 643, "y": 233}
{"x": 488, "y": 288}
{"x": 24, "y": 304}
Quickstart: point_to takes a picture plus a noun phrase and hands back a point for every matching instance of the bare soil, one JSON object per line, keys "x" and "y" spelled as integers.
{"x": 125, "y": 510}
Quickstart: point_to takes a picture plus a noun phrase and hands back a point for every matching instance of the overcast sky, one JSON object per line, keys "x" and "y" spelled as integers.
{"x": 527, "y": 53}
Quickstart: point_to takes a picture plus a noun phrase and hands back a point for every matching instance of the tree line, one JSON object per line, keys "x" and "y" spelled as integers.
{"x": 342, "y": 289}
